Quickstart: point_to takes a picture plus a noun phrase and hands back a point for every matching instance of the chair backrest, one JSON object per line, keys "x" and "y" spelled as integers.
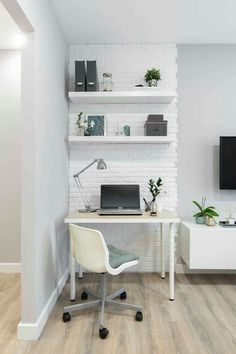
{"x": 89, "y": 248}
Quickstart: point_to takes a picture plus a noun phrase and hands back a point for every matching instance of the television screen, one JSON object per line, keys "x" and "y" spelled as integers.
{"x": 228, "y": 162}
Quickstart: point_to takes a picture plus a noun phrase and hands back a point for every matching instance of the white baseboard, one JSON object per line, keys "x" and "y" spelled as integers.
{"x": 10, "y": 267}
{"x": 32, "y": 331}
{"x": 183, "y": 269}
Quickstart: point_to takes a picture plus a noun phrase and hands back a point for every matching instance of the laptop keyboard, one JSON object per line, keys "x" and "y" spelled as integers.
{"x": 120, "y": 212}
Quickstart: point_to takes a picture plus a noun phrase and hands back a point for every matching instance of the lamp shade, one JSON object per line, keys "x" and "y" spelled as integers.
{"x": 101, "y": 165}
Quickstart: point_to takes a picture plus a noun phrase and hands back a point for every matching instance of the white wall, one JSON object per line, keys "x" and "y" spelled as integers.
{"x": 205, "y": 22}
{"x": 206, "y": 110}
{"x": 10, "y": 155}
{"x": 9, "y": 31}
{"x": 45, "y": 167}
{"x": 128, "y": 163}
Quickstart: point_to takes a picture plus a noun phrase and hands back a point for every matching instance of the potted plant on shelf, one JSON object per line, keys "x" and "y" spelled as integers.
{"x": 81, "y": 124}
{"x": 155, "y": 189}
{"x": 152, "y": 76}
{"x": 206, "y": 215}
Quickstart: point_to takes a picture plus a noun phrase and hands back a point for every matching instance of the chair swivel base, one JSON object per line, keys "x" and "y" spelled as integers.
{"x": 102, "y": 300}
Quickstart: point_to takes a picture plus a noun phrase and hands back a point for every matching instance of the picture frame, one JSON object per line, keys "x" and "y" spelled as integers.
{"x": 97, "y": 122}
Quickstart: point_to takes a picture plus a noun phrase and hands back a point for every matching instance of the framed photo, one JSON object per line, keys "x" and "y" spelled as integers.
{"x": 97, "y": 124}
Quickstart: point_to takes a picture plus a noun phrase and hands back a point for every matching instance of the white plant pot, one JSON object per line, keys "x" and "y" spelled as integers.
{"x": 152, "y": 83}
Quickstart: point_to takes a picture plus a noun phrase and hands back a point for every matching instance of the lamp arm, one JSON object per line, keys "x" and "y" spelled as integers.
{"x": 79, "y": 186}
{"x": 84, "y": 169}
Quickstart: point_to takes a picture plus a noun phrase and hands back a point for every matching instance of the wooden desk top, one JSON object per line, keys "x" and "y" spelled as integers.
{"x": 164, "y": 217}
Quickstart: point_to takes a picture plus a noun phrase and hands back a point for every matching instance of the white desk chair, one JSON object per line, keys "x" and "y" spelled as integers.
{"x": 92, "y": 253}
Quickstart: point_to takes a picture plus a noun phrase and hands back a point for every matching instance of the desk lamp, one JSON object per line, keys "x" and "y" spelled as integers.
{"x": 100, "y": 166}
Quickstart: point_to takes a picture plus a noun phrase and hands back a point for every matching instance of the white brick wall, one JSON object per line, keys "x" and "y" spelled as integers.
{"x": 128, "y": 163}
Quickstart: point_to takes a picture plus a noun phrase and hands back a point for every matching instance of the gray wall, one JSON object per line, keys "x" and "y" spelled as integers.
{"x": 44, "y": 162}
{"x": 206, "y": 110}
{"x": 10, "y": 155}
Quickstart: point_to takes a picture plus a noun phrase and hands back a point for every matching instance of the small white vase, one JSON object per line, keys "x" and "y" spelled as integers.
{"x": 80, "y": 131}
{"x": 153, "y": 206}
{"x": 210, "y": 221}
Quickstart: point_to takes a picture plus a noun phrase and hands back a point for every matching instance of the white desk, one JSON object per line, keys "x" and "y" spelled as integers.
{"x": 164, "y": 217}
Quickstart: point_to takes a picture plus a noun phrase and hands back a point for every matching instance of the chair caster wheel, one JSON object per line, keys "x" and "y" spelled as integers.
{"x": 103, "y": 332}
{"x": 84, "y": 296}
{"x": 123, "y": 295}
{"x": 139, "y": 316}
{"x": 66, "y": 317}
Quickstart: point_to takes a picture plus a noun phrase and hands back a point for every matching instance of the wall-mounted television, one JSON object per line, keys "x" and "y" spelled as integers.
{"x": 228, "y": 162}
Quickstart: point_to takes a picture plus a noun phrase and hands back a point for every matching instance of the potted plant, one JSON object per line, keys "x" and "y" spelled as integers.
{"x": 83, "y": 127}
{"x": 155, "y": 189}
{"x": 81, "y": 124}
{"x": 152, "y": 76}
{"x": 206, "y": 215}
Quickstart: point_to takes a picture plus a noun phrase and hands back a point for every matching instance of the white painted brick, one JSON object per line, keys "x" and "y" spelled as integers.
{"x": 128, "y": 163}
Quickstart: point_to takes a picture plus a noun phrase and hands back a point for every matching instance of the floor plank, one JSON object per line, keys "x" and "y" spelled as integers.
{"x": 202, "y": 319}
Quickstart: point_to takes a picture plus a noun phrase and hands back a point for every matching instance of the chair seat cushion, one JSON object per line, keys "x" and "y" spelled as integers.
{"x": 118, "y": 257}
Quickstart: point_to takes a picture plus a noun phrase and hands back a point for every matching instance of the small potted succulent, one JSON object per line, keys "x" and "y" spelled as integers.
{"x": 152, "y": 76}
{"x": 155, "y": 189}
{"x": 205, "y": 215}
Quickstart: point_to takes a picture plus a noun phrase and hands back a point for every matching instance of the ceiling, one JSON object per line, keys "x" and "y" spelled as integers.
{"x": 149, "y": 21}
{"x": 136, "y": 21}
{"x": 9, "y": 32}
{"x": 122, "y": 21}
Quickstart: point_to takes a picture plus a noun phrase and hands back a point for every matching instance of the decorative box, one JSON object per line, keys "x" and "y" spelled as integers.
{"x": 155, "y": 125}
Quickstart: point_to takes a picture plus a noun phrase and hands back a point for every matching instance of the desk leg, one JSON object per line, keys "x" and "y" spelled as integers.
{"x": 80, "y": 272}
{"x": 162, "y": 253}
{"x": 172, "y": 261}
{"x": 72, "y": 278}
{"x": 72, "y": 274}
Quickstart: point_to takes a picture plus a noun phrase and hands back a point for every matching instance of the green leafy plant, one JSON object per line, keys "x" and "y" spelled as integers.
{"x": 155, "y": 187}
{"x": 152, "y": 74}
{"x": 80, "y": 122}
{"x": 203, "y": 210}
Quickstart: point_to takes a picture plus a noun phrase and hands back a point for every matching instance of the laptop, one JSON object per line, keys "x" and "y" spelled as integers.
{"x": 120, "y": 199}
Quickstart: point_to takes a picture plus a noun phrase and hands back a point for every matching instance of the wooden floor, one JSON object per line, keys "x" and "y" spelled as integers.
{"x": 201, "y": 320}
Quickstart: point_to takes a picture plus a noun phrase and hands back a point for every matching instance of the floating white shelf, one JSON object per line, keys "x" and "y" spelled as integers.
{"x": 121, "y": 139}
{"x": 122, "y": 97}
{"x": 204, "y": 247}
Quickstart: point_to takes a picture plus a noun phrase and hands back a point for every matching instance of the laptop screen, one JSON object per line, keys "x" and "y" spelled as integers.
{"x": 124, "y": 196}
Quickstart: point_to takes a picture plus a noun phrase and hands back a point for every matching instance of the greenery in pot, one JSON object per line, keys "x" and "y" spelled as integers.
{"x": 83, "y": 128}
{"x": 152, "y": 76}
{"x": 80, "y": 122}
{"x": 154, "y": 187}
{"x": 204, "y": 212}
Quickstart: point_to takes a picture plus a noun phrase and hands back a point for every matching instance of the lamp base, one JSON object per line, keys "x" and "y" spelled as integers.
{"x": 88, "y": 210}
